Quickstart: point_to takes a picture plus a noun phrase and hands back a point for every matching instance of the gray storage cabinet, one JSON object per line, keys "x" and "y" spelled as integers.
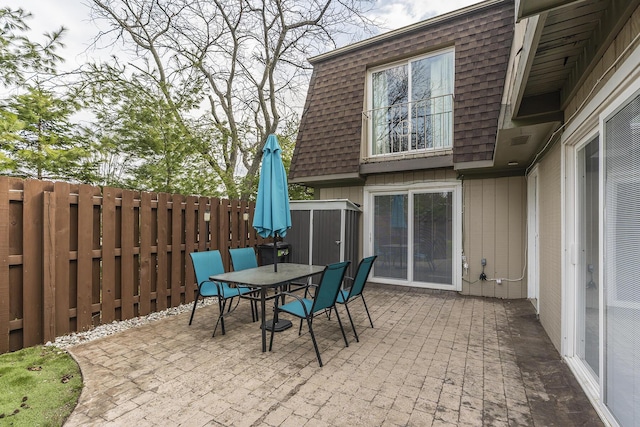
{"x": 323, "y": 232}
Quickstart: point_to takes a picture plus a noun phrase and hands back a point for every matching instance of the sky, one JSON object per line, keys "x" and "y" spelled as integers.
{"x": 49, "y": 15}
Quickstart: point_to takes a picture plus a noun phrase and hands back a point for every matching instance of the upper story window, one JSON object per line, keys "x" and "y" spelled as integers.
{"x": 411, "y": 105}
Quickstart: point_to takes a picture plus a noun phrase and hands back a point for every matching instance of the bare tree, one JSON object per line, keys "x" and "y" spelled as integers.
{"x": 246, "y": 58}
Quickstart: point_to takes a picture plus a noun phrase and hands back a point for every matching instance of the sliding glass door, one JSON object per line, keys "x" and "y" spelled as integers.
{"x": 414, "y": 234}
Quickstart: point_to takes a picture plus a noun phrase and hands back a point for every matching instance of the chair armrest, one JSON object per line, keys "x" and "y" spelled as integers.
{"x": 297, "y": 297}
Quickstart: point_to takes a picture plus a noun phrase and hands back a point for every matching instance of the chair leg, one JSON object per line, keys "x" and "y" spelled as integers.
{"x": 300, "y": 329}
{"x": 253, "y": 312}
{"x": 221, "y": 306}
{"x": 346, "y": 306}
{"x": 193, "y": 311}
{"x": 346, "y": 343}
{"x": 367, "y": 309}
{"x": 313, "y": 339}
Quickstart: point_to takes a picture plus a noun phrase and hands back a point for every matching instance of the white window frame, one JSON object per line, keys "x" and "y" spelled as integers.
{"x": 368, "y": 123}
{"x": 533, "y": 240}
{"x": 368, "y": 208}
{"x": 614, "y": 94}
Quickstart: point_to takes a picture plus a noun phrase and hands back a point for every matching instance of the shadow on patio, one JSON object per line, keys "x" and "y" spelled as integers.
{"x": 433, "y": 358}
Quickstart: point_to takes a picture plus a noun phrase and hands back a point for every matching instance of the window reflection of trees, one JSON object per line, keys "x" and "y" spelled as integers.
{"x": 413, "y": 112}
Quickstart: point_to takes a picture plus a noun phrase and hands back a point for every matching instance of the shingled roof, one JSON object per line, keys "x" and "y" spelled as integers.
{"x": 328, "y": 143}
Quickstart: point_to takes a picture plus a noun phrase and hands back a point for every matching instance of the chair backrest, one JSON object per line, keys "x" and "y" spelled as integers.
{"x": 329, "y": 286}
{"x": 364, "y": 268}
{"x": 243, "y": 258}
{"x": 206, "y": 264}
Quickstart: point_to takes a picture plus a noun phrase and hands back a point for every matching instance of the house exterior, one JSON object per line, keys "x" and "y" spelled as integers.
{"x": 393, "y": 123}
{"x": 495, "y": 151}
{"x": 574, "y": 95}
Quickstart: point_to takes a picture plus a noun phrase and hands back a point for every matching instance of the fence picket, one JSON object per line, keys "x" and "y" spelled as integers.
{"x": 126, "y": 256}
{"x": 61, "y": 191}
{"x": 146, "y": 221}
{"x": 176, "y": 249}
{"x": 161, "y": 252}
{"x": 85, "y": 258}
{"x": 32, "y": 262}
{"x": 49, "y": 266}
{"x": 109, "y": 195}
{"x": 191, "y": 237}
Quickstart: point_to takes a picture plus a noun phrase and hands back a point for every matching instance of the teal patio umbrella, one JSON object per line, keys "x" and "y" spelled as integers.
{"x": 273, "y": 216}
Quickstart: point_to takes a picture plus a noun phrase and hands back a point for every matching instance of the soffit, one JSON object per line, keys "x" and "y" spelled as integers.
{"x": 563, "y": 45}
{"x": 572, "y": 35}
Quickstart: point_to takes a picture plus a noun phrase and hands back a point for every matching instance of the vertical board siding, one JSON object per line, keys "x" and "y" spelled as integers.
{"x": 550, "y": 197}
{"x": 76, "y": 256}
{"x": 516, "y": 238}
{"x": 494, "y": 229}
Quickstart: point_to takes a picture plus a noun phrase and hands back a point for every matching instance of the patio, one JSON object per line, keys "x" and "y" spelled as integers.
{"x": 433, "y": 358}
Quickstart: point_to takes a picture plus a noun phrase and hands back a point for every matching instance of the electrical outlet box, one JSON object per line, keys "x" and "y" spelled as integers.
{"x": 483, "y": 261}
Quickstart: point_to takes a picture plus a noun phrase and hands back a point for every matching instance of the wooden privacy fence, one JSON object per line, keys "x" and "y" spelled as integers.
{"x": 76, "y": 256}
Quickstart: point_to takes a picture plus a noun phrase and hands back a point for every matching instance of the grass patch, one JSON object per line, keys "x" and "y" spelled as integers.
{"x": 39, "y": 386}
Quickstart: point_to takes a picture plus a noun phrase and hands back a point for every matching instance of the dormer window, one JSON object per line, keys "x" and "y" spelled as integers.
{"x": 411, "y": 105}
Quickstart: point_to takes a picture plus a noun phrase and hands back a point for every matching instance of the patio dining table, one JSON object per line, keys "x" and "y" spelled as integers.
{"x": 264, "y": 278}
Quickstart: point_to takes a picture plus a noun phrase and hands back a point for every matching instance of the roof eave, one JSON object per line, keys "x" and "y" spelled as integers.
{"x": 405, "y": 30}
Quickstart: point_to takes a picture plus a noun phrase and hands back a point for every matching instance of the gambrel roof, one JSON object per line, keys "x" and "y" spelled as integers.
{"x": 329, "y": 141}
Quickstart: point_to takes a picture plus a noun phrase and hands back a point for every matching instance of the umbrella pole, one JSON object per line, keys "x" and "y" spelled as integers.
{"x": 275, "y": 252}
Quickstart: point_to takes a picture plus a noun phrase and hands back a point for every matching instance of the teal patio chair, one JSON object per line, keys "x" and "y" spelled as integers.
{"x": 324, "y": 300}
{"x": 206, "y": 264}
{"x": 242, "y": 259}
{"x": 357, "y": 286}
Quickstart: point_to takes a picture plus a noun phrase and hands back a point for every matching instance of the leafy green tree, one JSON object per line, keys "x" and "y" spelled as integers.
{"x": 37, "y": 137}
{"x": 20, "y": 58}
{"x": 141, "y": 143}
{"x": 43, "y": 143}
{"x": 230, "y": 72}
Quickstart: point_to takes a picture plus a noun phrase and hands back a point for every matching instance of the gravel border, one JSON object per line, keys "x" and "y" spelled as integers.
{"x": 116, "y": 326}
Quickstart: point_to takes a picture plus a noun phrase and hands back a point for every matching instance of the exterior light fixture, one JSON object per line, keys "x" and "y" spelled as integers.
{"x": 207, "y": 215}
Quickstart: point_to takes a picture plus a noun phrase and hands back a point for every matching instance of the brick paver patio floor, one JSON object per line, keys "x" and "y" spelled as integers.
{"x": 434, "y": 358}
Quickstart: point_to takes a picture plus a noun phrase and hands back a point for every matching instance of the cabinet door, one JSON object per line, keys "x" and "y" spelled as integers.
{"x": 326, "y": 236}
